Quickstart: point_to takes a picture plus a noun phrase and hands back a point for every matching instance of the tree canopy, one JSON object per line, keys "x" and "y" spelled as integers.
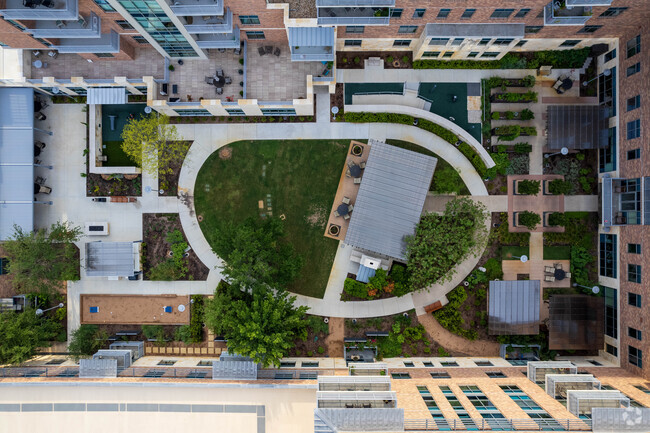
{"x": 261, "y": 324}
{"x": 442, "y": 241}
{"x": 21, "y": 334}
{"x": 40, "y": 260}
{"x": 86, "y": 340}
{"x": 153, "y": 143}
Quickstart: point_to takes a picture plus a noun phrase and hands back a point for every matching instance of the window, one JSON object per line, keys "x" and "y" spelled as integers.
{"x": 435, "y": 411}
{"x": 103, "y": 4}
{"x": 354, "y": 29}
{"x": 419, "y": 13}
{"x": 401, "y": 42}
{"x": 540, "y": 416}
{"x": 400, "y": 375}
{"x": 635, "y": 356}
{"x": 443, "y": 13}
{"x": 449, "y": 364}
{"x": 570, "y": 43}
{"x": 483, "y": 363}
{"x": 15, "y": 24}
{"x": 633, "y": 46}
{"x": 408, "y": 364}
{"x": 493, "y": 417}
{"x": 255, "y": 35}
{"x": 607, "y": 92}
{"x": 613, "y": 12}
{"x": 56, "y": 361}
{"x": 353, "y": 42}
{"x": 610, "y": 55}
{"x": 607, "y": 255}
{"x": 490, "y": 54}
{"x": 522, "y": 13}
{"x": 44, "y": 42}
{"x": 287, "y": 364}
{"x": 104, "y": 55}
{"x": 407, "y": 29}
{"x": 634, "y": 248}
{"x": 472, "y": 54}
{"x": 495, "y": 374}
{"x": 634, "y": 333}
{"x": 140, "y": 39}
{"x": 533, "y": 29}
{"x": 467, "y": 13}
{"x": 502, "y": 13}
{"x": 521, "y": 43}
{"x": 611, "y": 312}
{"x": 396, "y": 13}
{"x": 589, "y": 29}
{"x": 631, "y": 70}
{"x": 440, "y": 375}
{"x": 427, "y": 363}
{"x": 431, "y": 54}
{"x": 309, "y": 364}
{"x": 124, "y": 24}
{"x": 633, "y": 129}
{"x": 457, "y": 41}
{"x": 634, "y": 273}
{"x": 642, "y": 388}
{"x": 633, "y": 103}
{"x": 612, "y": 350}
{"x": 447, "y": 54}
{"x": 633, "y": 154}
{"x": 502, "y": 41}
{"x": 204, "y": 364}
{"x": 634, "y": 299}
{"x": 607, "y": 155}
{"x": 249, "y": 19}
{"x": 485, "y": 41}
{"x": 439, "y": 41}
{"x": 167, "y": 362}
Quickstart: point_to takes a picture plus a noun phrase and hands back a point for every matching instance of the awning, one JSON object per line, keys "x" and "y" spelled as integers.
{"x": 106, "y": 95}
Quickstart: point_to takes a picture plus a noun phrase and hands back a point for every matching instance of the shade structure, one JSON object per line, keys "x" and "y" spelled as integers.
{"x": 577, "y": 127}
{"x": 576, "y": 322}
{"x": 391, "y": 196}
{"x": 106, "y": 95}
{"x": 513, "y": 307}
{"x": 110, "y": 259}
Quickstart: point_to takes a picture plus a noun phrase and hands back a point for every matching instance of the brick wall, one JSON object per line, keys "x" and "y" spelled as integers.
{"x": 271, "y": 20}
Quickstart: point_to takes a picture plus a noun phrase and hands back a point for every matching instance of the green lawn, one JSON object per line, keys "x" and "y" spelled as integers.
{"x": 557, "y": 253}
{"x": 115, "y": 154}
{"x": 301, "y": 178}
{"x": 508, "y": 251}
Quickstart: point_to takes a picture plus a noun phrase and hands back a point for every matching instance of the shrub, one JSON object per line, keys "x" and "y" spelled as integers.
{"x": 401, "y": 278}
{"x": 528, "y": 187}
{"x": 474, "y": 158}
{"x": 183, "y": 334}
{"x": 529, "y": 96}
{"x": 526, "y": 114}
{"x": 506, "y": 237}
{"x": 507, "y": 132}
{"x": 529, "y": 130}
{"x": 580, "y": 156}
{"x": 321, "y": 349}
{"x": 402, "y": 119}
{"x": 580, "y": 260}
{"x": 528, "y": 81}
{"x": 518, "y": 164}
{"x": 196, "y": 319}
{"x": 559, "y": 186}
{"x": 530, "y": 220}
{"x": 86, "y": 340}
{"x": 562, "y": 59}
{"x": 557, "y": 219}
{"x": 443, "y": 353}
{"x": 496, "y": 115}
{"x": 389, "y": 59}
{"x": 493, "y": 269}
{"x": 405, "y": 59}
{"x": 449, "y": 317}
{"x": 523, "y": 148}
{"x": 357, "y": 60}
{"x": 154, "y": 332}
{"x": 355, "y": 288}
{"x": 585, "y": 183}
{"x": 510, "y": 115}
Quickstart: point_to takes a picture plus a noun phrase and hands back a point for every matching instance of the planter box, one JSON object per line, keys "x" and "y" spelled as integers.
{"x": 494, "y": 100}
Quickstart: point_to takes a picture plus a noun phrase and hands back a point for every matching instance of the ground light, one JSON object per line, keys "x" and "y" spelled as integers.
{"x": 595, "y": 289}
{"x": 40, "y": 312}
{"x": 606, "y": 72}
{"x": 523, "y": 258}
{"x": 564, "y": 152}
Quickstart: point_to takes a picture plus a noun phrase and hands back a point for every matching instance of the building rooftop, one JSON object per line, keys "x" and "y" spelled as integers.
{"x": 577, "y": 127}
{"x": 514, "y": 307}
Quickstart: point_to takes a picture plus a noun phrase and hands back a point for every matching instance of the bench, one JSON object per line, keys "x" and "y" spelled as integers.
{"x": 433, "y": 307}
{"x": 375, "y": 334}
{"x": 354, "y": 340}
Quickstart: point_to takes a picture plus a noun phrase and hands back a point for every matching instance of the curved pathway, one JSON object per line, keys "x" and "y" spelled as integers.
{"x": 455, "y": 343}
{"x": 209, "y": 138}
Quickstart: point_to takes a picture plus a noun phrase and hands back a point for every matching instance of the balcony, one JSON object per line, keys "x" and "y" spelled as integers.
{"x": 588, "y": 2}
{"x": 212, "y": 24}
{"x": 81, "y": 28}
{"x": 560, "y": 14}
{"x": 355, "y": 3}
{"x": 621, "y": 201}
{"x": 41, "y": 10}
{"x": 311, "y": 44}
{"x": 106, "y": 43}
{"x": 185, "y": 8}
{"x": 364, "y": 16}
{"x": 224, "y": 40}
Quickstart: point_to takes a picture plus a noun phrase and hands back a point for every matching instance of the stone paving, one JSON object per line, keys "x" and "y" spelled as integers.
{"x": 538, "y": 203}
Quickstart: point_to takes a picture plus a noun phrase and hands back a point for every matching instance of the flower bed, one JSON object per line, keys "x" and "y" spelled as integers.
{"x": 527, "y": 81}
{"x": 524, "y": 114}
{"x": 511, "y": 132}
{"x": 560, "y": 59}
{"x": 391, "y": 59}
{"x": 240, "y": 119}
{"x": 510, "y": 97}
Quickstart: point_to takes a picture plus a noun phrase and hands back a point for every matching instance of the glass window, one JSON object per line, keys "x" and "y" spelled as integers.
{"x": 472, "y": 54}
{"x": 490, "y": 54}
{"x": 166, "y": 362}
{"x": 607, "y": 255}
{"x": 15, "y": 24}
{"x": 249, "y": 19}
{"x": 631, "y": 70}
{"x": 309, "y": 364}
{"x": 484, "y": 363}
{"x": 635, "y": 356}
{"x": 279, "y": 111}
{"x": 440, "y": 375}
{"x": 502, "y": 41}
{"x": 589, "y": 29}
{"x": 610, "y": 55}
{"x": 353, "y": 42}
{"x": 427, "y": 363}
{"x": 613, "y": 12}
{"x": 642, "y": 388}
{"x": 634, "y": 273}
{"x": 449, "y": 364}
{"x": 467, "y": 13}
{"x": 408, "y": 364}
{"x": 124, "y": 24}
{"x": 407, "y": 29}
{"x": 612, "y": 350}
{"x": 633, "y": 154}
{"x": 522, "y": 13}
{"x": 355, "y": 29}
{"x": 400, "y": 375}
{"x": 140, "y": 39}
{"x": 502, "y": 13}
{"x": 521, "y": 43}
{"x": 485, "y": 41}
{"x": 570, "y": 43}
{"x": 439, "y": 41}
{"x": 396, "y": 13}
{"x": 443, "y": 13}
{"x": 255, "y": 35}
{"x": 447, "y": 54}
{"x": 401, "y": 42}
{"x": 457, "y": 41}
{"x": 419, "y": 13}
{"x": 611, "y": 312}
{"x": 607, "y": 155}
{"x": 634, "y": 299}
{"x": 633, "y": 103}
{"x": 633, "y": 46}
{"x": 495, "y": 374}
{"x": 431, "y": 54}
{"x": 104, "y": 55}
{"x": 192, "y": 112}
{"x": 104, "y": 5}
{"x": 634, "y": 333}
{"x": 633, "y": 129}
{"x": 287, "y": 364}
{"x": 533, "y": 29}
{"x": 634, "y": 248}
{"x": 607, "y": 92}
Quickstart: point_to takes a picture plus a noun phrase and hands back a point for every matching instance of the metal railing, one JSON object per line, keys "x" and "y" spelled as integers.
{"x": 455, "y": 424}
{"x": 356, "y": 3}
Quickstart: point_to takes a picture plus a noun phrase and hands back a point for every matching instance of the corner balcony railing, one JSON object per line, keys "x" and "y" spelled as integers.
{"x": 106, "y": 43}
{"x": 40, "y": 10}
{"x": 197, "y": 7}
{"x": 354, "y": 3}
{"x": 365, "y": 16}
{"x": 588, "y": 2}
{"x": 568, "y": 16}
{"x": 212, "y": 24}
{"x": 81, "y": 28}
{"x": 313, "y": 57}
{"x": 207, "y": 41}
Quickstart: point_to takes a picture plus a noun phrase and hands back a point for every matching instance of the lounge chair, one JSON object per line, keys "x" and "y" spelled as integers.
{"x": 549, "y": 278}
{"x": 346, "y": 200}
{"x": 347, "y": 173}
{"x": 336, "y": 213}
{"x": 357, "y": 180}
{"x": 268, "y": 49}
{"x": 350, "y": 208}
{"x": 277, "y": 52}
{"x": 549, "y": 269}
{"x": 567, "y": 275}
{"x": 45, "y": 189}
{"x": 350, "y": 163}
{"x": 346, "y": 217}
{"x": 362, "y": 164}
{"x": 261, "y": 51}
{"x": 219, "y": 72}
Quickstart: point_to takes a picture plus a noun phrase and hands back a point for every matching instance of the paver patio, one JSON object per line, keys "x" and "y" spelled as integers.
{"x": 538, "y": 204}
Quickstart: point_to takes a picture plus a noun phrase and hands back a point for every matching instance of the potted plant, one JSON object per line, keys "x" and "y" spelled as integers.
{"x": 357, "y": 150}
{"x": 528, "y": 187}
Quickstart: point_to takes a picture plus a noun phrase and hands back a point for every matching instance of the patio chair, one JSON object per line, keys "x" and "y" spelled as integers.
{"x": 336, "y": 213}
{"x": 350, "y": 208}
{"x": 45, "y": 189}
{"x": 549, "y": 269}
{"x": 347, "y": 173}
{"x": 346, "y": 200}
{"x": 549, "y": 278}
{"x": 53, "y": 54}
{"x": 362, "y": 164}
{"x": 346, "y": 217}
{"x": 277, "y": 52}
{"x": 209, "y": 80}
{"x": 261, "y": 51}
{"x": 567, "y": 275}
{"x": 228, "y": 80}
{"x": 268, "y": 49}
{"x": 219, "y": 72}
{"x": 40, "y": 180}
{"x": 350, "y": 163}
{"x": 558, "y": 266}
{"x": 357, "y": 180}
{"x": 219, "y": 90}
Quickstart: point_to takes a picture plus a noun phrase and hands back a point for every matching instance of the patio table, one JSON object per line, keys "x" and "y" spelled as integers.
{"x": 343, "y": 209}
{"x": 218, "y": 81}
{"x": 355, "y": 170}
{"x": 559, "y": 274}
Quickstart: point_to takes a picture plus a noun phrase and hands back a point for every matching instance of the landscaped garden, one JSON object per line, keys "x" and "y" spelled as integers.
{"x": 289, "y": 180}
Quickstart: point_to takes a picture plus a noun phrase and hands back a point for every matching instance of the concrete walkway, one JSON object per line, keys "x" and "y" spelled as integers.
{"x": 581, "y": 203}
{"x": 456, "y": 343}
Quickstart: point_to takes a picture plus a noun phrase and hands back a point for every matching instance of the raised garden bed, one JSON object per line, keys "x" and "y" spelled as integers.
{"x": 241, "y": 119}
{"x": 524, "y": 114}
{"x": 503, "y": 83}
{"x": 580, "y": 169}
{"x": 315, "y": 343}
{"x": 107, "y": 185}
{"x": 156, "y": 248}
{"x": 168, "y": 182}
{"x": 391, "y": 59}
{"x": 509, "y": 97}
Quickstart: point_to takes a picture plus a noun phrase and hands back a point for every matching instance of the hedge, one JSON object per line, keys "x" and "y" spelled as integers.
{"x": 196, "y": 319}
{"x": 405, "y": 119}
{"x": 515, "y": 97}
{"x": 523, "y": 148}
{"x": 474, "y": 158}
{"x": 561, "y": 59}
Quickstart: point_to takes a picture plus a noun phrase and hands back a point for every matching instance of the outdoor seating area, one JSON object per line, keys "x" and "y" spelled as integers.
{"x": 539, "y": 203}
{"x": 268, "y": 49}
{"x": 555, "y": 273}
{"x": 218, "y": 80}
{"x": 550, "y": 273}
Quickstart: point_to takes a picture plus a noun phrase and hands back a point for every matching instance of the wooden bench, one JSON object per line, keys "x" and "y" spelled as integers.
{"x": 433, "y": 307}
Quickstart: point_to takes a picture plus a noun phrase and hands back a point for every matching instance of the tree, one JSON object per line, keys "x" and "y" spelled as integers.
{"x": 442, "y": 241}
{"x": 86, "y": 340}
{"x": 40, "y": 260}
{"x": 260, "y": 323}
{"x": 528, "y": 219}
{"x": 153, "y": 143}
{"x": 528, "y": 187}
{"x": 559, "y": 186}
{"x": 21, "y": 334}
